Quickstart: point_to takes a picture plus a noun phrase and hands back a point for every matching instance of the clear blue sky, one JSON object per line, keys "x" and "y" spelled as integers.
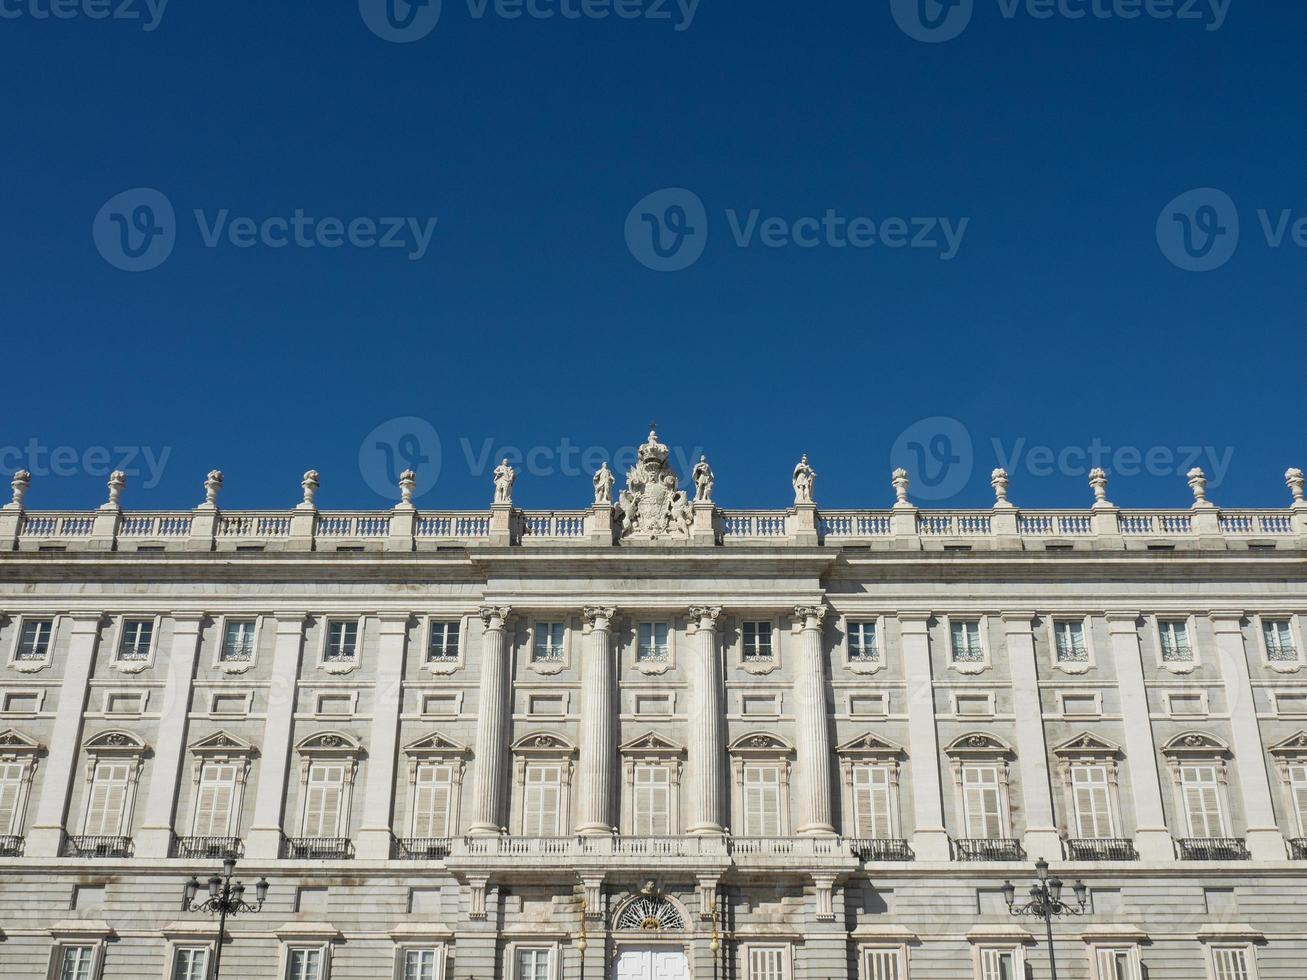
{"x": 530, "y": 320}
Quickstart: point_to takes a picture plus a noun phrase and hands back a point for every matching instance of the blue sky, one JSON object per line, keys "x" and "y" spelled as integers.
{"x": 952, "y": 254}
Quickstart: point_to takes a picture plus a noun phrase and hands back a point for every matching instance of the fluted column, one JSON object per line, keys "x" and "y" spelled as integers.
{"x": 598, "y": 770}
{"x": 492, "y": 725}
{"x": 813, "y": 735}
{"x": 705, "y": 768}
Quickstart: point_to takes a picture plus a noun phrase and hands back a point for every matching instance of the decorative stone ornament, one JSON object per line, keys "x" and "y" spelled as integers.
{"x": 212, "y": 484}
{"x": 408, "y": 482}
{"x": 653, "y": 505}
{"x": 21, "y": 481}
{"x": 310, "y": 484}
{"x": 999, "y": 481}
{"x": 117, "y": 481}
{"x": 703, "y": 481}
{"x": 504, "y": 476}
{"x": 901, "y": 483}
{"x": 1293, "y": 479}
{"x": 1198, "y": 484}
{"x": 1098, "y": 481}
{"x": 804, "y": 479}
{"x": 603, "y": 484}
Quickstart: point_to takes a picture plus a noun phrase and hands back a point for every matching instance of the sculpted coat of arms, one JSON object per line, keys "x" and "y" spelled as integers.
{"x": 653, "y": 506}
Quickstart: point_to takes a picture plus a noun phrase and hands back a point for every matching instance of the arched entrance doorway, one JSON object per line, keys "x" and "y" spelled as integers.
{"x": 649, "y": 931}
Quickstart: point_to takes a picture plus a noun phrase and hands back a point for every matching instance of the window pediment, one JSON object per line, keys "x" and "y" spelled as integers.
{"x": 1292, "y": 748}
{"x": 115, "y": 743}
{"x": 436, "y": 745}
{"x": 1200, "y": 744}
{"x": 329, "y": 743}
{"x": 870, "y": 746}
{"x": 15, "y": 743}
{"x": 1087, "y": 745}
{"x": 543, "y": 743}
{"x": 978, "y": 745}
{"x": 221, "y": 743}
{"x": 651, "y": 744}
{"x": 760, "y": 744}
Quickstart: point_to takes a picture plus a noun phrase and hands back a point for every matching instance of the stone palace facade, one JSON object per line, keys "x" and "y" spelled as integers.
{"x": 654, "y": 739}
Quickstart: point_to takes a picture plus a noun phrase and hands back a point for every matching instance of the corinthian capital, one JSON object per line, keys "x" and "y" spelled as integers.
{"x": 494, "y": 617}
{"x": 598, "y": 617}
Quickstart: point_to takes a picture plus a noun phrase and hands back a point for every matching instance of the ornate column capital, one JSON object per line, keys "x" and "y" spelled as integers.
{"x": 494, "y": 617}
{"x": 598, "y": 617}
{"x": 811, "y": 615}
{"x": 706, "y": 616}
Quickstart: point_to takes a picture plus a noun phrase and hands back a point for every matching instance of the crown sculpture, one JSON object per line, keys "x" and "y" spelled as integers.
{"x": 653, "y": 505}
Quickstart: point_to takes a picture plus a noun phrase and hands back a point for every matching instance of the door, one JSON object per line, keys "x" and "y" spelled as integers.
{"x": 652, "y": 963}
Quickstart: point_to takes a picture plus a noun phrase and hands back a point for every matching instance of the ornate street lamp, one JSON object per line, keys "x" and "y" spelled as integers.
{"x": 225, "y": 898}
{"x": 1046, "y": 902}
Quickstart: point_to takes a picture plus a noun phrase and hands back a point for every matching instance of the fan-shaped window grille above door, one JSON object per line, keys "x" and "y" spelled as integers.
{"x": 650, "y": 914}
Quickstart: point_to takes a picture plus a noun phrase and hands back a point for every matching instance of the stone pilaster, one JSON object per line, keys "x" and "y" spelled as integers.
{"x": 929, "y": 839}
{"x": 1152, "y": 839}
{"x": 1265, "y": 840}
{"x": 705, "y": 763}
{"x": 274, "y": 765}
{"x": 597, "y": 776}
{"x": 492, "y": 726}
{"x": 812, "y": 733}
{"x": 59, "y": 766}
{"x": 375, "y": 834}
{"x": 1041, "y": 836}
{"x": 155, "y": 838}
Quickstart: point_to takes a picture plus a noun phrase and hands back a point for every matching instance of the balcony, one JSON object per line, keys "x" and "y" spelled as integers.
{"x": 11, "y": 847}
{"x": 880, "y": 849}
{"x": 422, "y": 848}
{"x": 207, "y": 848}
{"x": 987, "y": 849}
{"x": 82, "y": 846}
{"x": 317, "y": 848}
{"x": 1298, "y": 848}
{"x": 1100, "y": 849}
{"x": 1212, "y": 849}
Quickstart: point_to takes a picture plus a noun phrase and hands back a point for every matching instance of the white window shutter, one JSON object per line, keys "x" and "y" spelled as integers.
{"x": 1298, "y": 780}
{"x": 541, "y": 806}
{"x": 652, "y": 803}
{"x": 882, "y": 964}
{"x": 1093, "y": 802}
{"x": 322, "y": 803}
{"x": 104, "y": 815}
{"x": 432, "y": 800}
{"x": 982, "y": 802}
{"x": 871, "y": 801}
{"x": 11, "y": 786}
{"x": 213, "y": 804}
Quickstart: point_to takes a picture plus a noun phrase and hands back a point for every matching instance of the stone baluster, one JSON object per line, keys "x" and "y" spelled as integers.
{"x": 492, "y": 725}
{"x": 813, "y": 735}
{"x": 705, "y": 768}
{"x": 598, "y": 763}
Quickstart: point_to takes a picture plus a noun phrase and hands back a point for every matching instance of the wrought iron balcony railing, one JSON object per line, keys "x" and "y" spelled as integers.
{"x": 1298, "y": 848}
{"x": 11, "y": 846}
{"x": 84, "y": 846}
{"x": 422, "y": 848}
{"x": 880, "y": 849}
{"x": 1100, "y": 849}
{"x": 1212, "y": 849}
{"x": 987, "y": 849}
{"x": 208, "y": 848}
{"x": 318, "y": 848}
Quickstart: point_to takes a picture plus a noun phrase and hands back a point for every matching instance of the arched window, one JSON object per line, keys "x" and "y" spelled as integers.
{"x": 650, "y": 913}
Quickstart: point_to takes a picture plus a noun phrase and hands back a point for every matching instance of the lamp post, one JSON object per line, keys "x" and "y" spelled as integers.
{"x": 225, "y": 898}
{"x": 1046, "y": 902}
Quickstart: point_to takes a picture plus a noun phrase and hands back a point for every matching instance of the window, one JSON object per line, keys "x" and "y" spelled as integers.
{"x": 191, "y": 963}
{"x": 998, "y": 964}
{"x": 1277, "y": 634}
{"x": 323, "y": 800}
{"x": 76, "y": 963}
{"x": 432, "y": 796}
{"x": 533, "y": 963}
{"x": 13, "y": 779}
{"x": 1069, "y": 638}
{"x": 304, "y": 964}
{"x": 767, "y": 963}
{"x": 1201, "y": 787}
{"x": 883, "y": 964}
{"x": 982, "y": 802}
{"x": 214, "y": 799}
{"x": 762, "y": 801}
{"x": 548, "y": 644}
{"x": 1174, "y": 638}
{"x": 653, "y": 646}
{"x": 871, "y": 801}
{"x": 653, "y": 801}
{"x": 442, "y": 642}
{"x": 422, "y": 964}
{"x": 863, "y": 647}
{"x": 342, "y": 641}
{"x": 1233, "y": 963}
{"x": 237, "y": 641}
{"x": 965, "y": 638}
{"x": 757, "y": 641}
{"x": 136, "y": 639}
{"x": 34, "y": 640}
{"x": 541, "y": 813}
{"x": 1297, "y": 788}
{"x": 1119, "y": 963}
{"x": 1092, "y": 799}
{"x": 107, "y": 799}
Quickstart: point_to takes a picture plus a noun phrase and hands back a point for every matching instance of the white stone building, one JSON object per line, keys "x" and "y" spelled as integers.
{"x": 654, "y": 740}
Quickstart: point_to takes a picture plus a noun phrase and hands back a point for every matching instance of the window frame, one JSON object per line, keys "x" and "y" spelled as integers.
{"x": 877, "y": 623}
{"x": 289, "y": 947}
{"x": 653, "y": 667}
{"x": 240, "y": 765}
{"x": 1290, "y": 754}
{"x": 870, "y": 751}
{"x": 402, "y": 949}
{"x": 118, "y": 633}
{"x": 324, "y": 642}
{"x": 1074, "y": 667}
{"x": 651, "y": 750}
{"x": 554, "y": 665}
{"x": 758, "y": 666}
{"x": 785, "y": 949}
{"x": 1155, "y": 622}
{"x": 328, "y": 748}
{"x": 236, "y": 666}
{"x": 1249, "y": 951}
{"x": 446, "y": 666}
{"x": 981, "y": 749}
{"x": 1096, "y": 951}
{"x": 986, "y": 661}
{"x": 1016, "y": 950}
{"x": 515, "y": 948}
{"x": 543, "y": 749}
{"x": 1295, "y": 631}
{"x": 92, "y": 940}
{"x": 1195, "y": 748}
{"x": 113, "y": 747}
{"x": 899, "y": 951}
{"x": 32, "y": 666}
{"x": 175, "y": 948}
{"x": 754, "y": 750}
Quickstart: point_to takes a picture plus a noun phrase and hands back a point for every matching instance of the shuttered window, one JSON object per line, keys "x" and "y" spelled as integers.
{"x": 998, "y": 964}
{"x": 871, "y": 801}
{"x": 883, "y": 964}
{"x": 762, "y": 801}
{"x": 215, "y": 799}
{"x": 653, "y": 801}
{"x": 432, "y": 799}
{"x": 76, "y": 962}
{"x": 542, "y": 802}
{"x": 1116, "y": 964}
{"x": 767, "y": 963}
{"x": 11, "y": 791}
{"x": 982, "y": 802}
{"x": 1298, "y": 784}
{"x": 192, "y": 963}
{"x": 1232, "y": 963}
{"x": 1202, "y": 801}
{"x": 108, "y": 800}
{"x": 1093, "y": 801}
{"x": 323, "y": 800}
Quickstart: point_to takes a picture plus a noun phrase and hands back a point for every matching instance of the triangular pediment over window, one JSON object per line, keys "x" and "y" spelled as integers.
{"x": 870, "y": 746}
{"x": 16, "y": 743}
{"x": 222, "y": 743}
{"x": 651, "y": 743}
{"x": 1293, "y": 747}
{"x": 1087, "y": 745}
{"x": 436, "y": 744}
